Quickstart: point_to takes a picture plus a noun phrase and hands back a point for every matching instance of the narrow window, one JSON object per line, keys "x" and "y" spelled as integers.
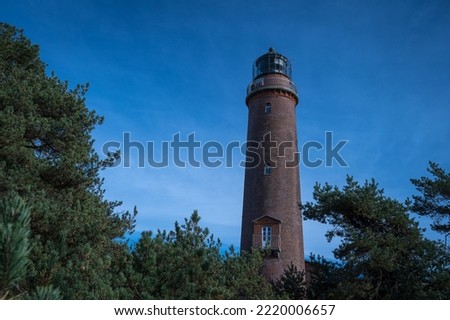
{"x": 268, "y": 108}
{"x": 267, "y": 170}
{"x": 266, "y": 237}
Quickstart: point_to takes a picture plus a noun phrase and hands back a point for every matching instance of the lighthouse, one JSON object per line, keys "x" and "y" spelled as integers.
{"x": 271, "y": 217}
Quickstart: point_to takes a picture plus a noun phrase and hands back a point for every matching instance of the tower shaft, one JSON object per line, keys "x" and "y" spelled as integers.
{"x": 271, "y": 216}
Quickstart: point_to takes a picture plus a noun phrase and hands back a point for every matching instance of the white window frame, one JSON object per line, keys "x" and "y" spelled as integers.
{"x": 266, "y": 237}
{"x": 267, "y": 170}
{"x": 268, "y": 108}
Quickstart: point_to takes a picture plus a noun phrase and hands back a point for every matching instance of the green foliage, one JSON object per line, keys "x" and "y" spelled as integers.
{"x": 180, "y": 264}
{"x": 329, "y": 280}
{"x": 45, "y": 293}
{"x": 291, "y": 284}
{"x": 46, "y": 157}
{"x": 382, "y": 254}
{"x": 243, "y": 278}
{"x": 435, "y": 198}
{"x": 186, "y": 263}
{"x": 14, "y": 243}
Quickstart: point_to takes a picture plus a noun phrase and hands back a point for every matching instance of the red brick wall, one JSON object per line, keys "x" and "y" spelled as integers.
{"x": 277, "y": 194}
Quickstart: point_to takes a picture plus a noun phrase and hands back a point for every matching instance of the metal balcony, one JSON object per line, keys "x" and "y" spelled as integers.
{"x": 273, "y": 243}
{"x": 267, "y": 83}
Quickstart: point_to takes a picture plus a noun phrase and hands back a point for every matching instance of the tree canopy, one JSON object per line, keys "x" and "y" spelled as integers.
{"x": 382, "y": 253}
{"x": 434, "y": 200}
{"x": 47, "y": 158}
{"x": 186, "y": 263}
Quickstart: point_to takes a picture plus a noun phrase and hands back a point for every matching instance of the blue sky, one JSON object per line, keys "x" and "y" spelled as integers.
{"x": 376, "y": 73}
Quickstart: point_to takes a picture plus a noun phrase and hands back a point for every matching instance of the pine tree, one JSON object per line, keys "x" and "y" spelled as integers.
{"x": 382, "y": 253}
{"x": 185, "y": 263}
{"x": 243, "y": 276}
{"x": 14, "y": 244}
{"x": 47, "y": 157}
{"x": 291, "y": 284}
{"x": 434, "y": 200}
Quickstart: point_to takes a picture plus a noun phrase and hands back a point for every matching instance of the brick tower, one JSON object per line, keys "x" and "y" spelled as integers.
{"x": 271, "y": 218}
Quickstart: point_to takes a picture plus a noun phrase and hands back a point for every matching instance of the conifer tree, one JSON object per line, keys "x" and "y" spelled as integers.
{"x": 47, "y": 157}
{"x": 434, "y": 200}
{"x": 186, "y": 263}
{"x": 14, "y": 244}
{"x": 382, "y": 252}
{"x": 291, "y": 284}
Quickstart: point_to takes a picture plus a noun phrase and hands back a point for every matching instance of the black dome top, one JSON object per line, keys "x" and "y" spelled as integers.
{"x": 272, "y": 62}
